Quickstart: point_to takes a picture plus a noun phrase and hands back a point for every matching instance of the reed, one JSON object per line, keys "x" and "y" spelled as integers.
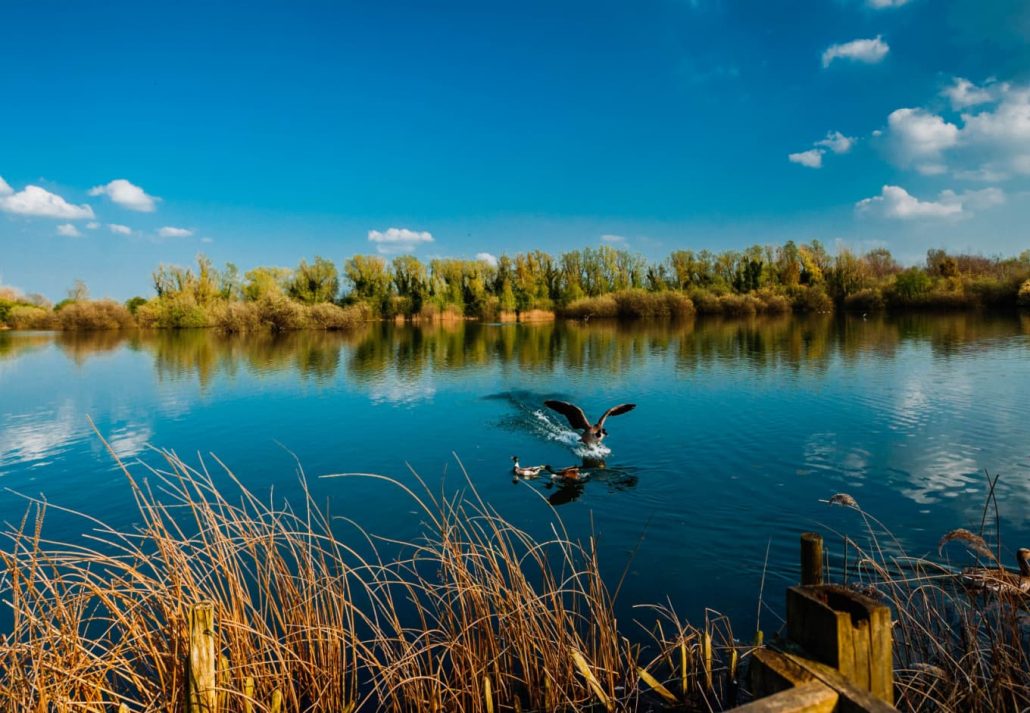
{"x": 475, "y": 615}
{"x": 956, "y": 649}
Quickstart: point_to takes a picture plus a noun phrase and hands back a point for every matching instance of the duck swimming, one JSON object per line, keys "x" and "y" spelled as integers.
{"x": 572, "y": 472}
{"x": 591, "y": 434}
{"x": 1000, "y": 580}
{"x": 525, "y": 472}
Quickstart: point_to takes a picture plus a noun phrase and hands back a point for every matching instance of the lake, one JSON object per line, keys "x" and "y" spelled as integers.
{"x": 742, "y": 429}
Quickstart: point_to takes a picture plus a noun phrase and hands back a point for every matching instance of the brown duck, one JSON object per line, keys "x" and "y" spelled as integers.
{"x": 1003, "y": 581}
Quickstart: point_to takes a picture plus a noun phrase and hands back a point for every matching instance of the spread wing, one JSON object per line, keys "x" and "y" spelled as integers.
{"x": 615, "y": 411}
{"x": 575, "y": 415}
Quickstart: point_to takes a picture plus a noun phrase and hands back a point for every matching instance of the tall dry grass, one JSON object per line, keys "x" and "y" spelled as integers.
{"x": 957, "y": 647}
{"x": 476, "y": 615}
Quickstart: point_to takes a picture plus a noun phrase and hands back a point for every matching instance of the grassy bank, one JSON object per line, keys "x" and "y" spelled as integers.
{"x": 475, "y": 615}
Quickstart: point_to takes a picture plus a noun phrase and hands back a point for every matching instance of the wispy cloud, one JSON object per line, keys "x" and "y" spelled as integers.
{"x": 609, "y": 238}
{"x": 40, "y": 203}
{"x": 962, "y": 94}
{"x": 885, "y": 4}
{"x": 119, "y": 229}
{"x": 171, "y": 232}
{"x": 869, "y": 51}
{"x": 813, "y": 158}
{"x": 68, "y": 230}
{"x": 127, "y": 195}
{"x": 398, "y": 240}
{"x": 836, "y": 142}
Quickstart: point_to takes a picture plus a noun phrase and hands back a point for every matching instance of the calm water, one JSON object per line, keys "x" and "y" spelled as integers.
{"x": 741, "y": 428}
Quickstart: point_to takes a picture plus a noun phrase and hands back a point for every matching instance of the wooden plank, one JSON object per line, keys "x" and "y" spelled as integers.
{"x": 771, "y": 672}
{"x": 811, "y": 697}
{"x": 852, "y": 699}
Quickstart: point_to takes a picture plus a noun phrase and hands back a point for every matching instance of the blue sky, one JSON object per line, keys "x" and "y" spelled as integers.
{"x": 263, "y": 133}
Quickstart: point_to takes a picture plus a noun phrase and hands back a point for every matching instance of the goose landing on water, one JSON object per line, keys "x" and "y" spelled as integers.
{"x": 591, "y": 434}
{"x": 531, "y": 471}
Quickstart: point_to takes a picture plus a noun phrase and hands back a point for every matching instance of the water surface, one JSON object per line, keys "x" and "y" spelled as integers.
{"x": 741, "y": 429}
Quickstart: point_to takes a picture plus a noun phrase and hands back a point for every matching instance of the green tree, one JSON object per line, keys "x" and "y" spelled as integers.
{"x": 370, "y": 281}
{"x": 315, "y": 283}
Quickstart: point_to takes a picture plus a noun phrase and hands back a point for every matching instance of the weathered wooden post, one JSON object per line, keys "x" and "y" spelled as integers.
{"x": 846, "y": 630}
{"x": 202, "y": 661}
{"x": 811, "y": 558}
{"x": 847, "y": 660}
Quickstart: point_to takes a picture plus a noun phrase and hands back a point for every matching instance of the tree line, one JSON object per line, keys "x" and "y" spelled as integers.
{"x": 602, "y": 282}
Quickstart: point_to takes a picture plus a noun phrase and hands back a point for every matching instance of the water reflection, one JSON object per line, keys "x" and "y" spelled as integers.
{"x": 923, "y": 401}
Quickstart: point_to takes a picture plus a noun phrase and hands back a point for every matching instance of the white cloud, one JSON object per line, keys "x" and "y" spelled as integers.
{"x": 92, "y": 225}
{"x": 868, "y": 51}
{"x": 68, "y": 230}
{"x": 979, "y": 200}
{"x": 398, "y": 240}
{"x": 489, "y": 258}
{"x": 836, "y": 142}
{"x": 41, "y": 203}
{"x": 120, "y": 229}
{"x": 170, "y": 232}
{"x": 207, "y": 240}
{"x": 916, "y": 139}
{"x": 126, "y": 195}
{"x": 962, "y": 94}
{"x": 884, "y": 4}
{"x": 813, "y": 158}
{"x": 613, "y": 238}
{"x": 897, "y": 203}
{"x": 1000, "y": 137}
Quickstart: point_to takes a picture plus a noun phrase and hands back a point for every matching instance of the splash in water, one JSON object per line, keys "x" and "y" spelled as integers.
{"x": 553, "y": 431}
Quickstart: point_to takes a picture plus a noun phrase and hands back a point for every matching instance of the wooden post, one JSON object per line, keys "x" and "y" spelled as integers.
{"x": 202, "y": 661}
{"x": 845, "y": 630}
{"x": 811, "y": 558}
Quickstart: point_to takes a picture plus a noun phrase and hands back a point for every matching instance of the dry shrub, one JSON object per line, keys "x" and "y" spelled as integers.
{"x": 812, "y": 299}
{"x": 281, "y": 314}
{"x": 867, "y": 300}
{"x": 28, "y": 317}
{"x": 631, "y": 304}
{"x": 173, "y": 312}
{"x": 237, "y": 317}
{"x": 738, "y": 305}
{"x": 705, "y": 302}
{"x": 597, "y": 307}
{"x": 771, "y": 302}
{"x": 97, "y": 314}
{"x": 530, "y": 315}
{"x": 330, "y": 316}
